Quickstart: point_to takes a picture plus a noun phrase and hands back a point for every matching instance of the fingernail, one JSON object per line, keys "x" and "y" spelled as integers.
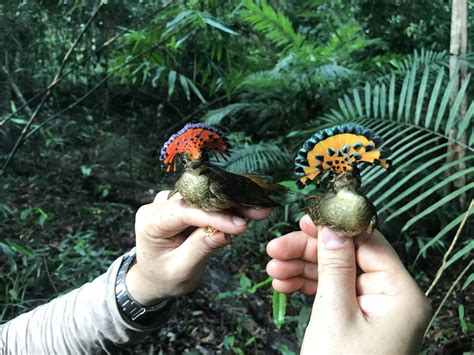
{"x": 331, "y": 240}
{"x": 238, "y": 221}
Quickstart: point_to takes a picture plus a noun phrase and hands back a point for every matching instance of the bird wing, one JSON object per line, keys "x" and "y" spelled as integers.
{"x": 239, "y": 189}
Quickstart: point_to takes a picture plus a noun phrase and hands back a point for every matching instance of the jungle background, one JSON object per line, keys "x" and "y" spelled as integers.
{"x": 90, "y": 90}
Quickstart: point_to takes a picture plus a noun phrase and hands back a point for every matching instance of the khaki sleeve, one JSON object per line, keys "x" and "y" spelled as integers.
{"x": 84, "y": 321}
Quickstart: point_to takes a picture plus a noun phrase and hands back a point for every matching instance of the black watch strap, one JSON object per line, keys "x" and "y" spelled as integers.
{"x": 132, "y": 310}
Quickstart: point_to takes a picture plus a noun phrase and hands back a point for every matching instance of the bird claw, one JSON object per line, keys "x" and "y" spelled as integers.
{"x": 210, "y": 230}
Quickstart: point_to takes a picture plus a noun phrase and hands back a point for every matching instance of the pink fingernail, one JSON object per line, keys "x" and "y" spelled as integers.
{"x": 331, "y": 240}
{"x": 238, "y": 221}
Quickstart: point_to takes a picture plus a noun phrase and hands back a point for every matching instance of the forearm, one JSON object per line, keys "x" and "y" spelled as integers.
{"x": 84, "y": 321}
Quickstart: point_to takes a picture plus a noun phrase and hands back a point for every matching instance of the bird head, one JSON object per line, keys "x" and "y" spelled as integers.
{"x": 338, "y": 150}
{"x": 194, "y": 142}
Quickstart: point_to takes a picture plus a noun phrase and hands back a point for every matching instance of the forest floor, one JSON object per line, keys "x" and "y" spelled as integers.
{"x": 71, "y": 206}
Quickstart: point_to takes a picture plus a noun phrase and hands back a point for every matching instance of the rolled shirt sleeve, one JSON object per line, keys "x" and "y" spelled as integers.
{"x": 86, "y": 320}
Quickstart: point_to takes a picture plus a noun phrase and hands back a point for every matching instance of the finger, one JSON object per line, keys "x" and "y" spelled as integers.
{"x": 336, "y": 274}
{"x": 295, "y": 284}
{"x": 254, "y": 212}
{"x": 294, "y": 245}
{"x": 376, "y": 254}
{"x": 287, "y": 269}
{"x": 169, "y": 218}
{"x": 307, "y": 226}
{"x": 309, "y": 287}
{"x": 200, "y": 245}
{"x": 161, "y": 196}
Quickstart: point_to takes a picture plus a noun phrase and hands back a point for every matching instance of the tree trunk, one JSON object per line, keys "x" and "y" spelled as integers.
{"x": 457, "y": 48}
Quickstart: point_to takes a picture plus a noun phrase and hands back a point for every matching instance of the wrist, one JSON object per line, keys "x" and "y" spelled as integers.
{"x": 148, "y": 315}
{"x": 141, "y": 288}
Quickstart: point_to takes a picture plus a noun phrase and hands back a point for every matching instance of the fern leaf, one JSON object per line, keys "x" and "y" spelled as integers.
{"x": 273, "y": 24}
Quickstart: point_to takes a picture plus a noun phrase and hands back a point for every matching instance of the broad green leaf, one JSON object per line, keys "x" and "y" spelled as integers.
{"x": 12, "y": 106}
{"x": 357, "y": 102}
{"x": 184, "y": 84}
{"x": 466, "y": 250}
{"x": 344, "y": 110}
{"x": 19, "y": 121}
{"x": 391, "y": 96}
{"x": 383, "y": 101}
{"x": 444, "y": 102}
{"x": 219, "y": 26}
{"x": 422, "y": 183}
{"x": 18, "y": 248}
{"x": 279, "y": 308}
{"x": 367, "y": 97}
{"x": 455, "y": 222}
{"x": 196, "y": 91}
{"x": 421, "y": 96}
{"x": 410, "y": 90}
{"x": 441, "y": 202}
{"x": 403, "y": 95}
{"x": 179, "y": 18}
{"x": 171, "y": 82}
{"x": 469, "y": 280}
{"x": 466, "y": 121}
{"x": 454, "y": 111}
{"x": 433, "y": 99}
{"x": 403, "y": 167}
{"x": 376, "y": 99}
{"x": 215, "y": 117}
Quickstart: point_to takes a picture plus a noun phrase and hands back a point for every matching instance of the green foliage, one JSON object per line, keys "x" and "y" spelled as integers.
{"x": 276, "y": 27}
{"x": 279, "y": 308}
{"x": 261, "y": 157}
{"x": 412, "y": 113}
{"x": 80, "y": 258}
{"x": 270, "y": 72}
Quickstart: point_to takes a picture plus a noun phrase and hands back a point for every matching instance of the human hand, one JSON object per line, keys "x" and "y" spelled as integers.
{"x": 172, "y": 246}
{"x": 366, "y": 301}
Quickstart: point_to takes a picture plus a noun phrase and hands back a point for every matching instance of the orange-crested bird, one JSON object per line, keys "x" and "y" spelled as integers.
{"x": 208, "y": 187}
{"x": 339, "y": 150}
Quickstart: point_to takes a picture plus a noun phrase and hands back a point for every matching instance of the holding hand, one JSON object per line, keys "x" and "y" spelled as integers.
{"x": 173, "y": 245}
{"x": 366, "y": 301}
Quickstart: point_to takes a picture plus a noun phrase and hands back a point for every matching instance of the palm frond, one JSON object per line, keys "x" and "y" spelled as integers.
{"x": 416, "y": 116}
{"x": 423, "y": 58}
{"x": 261, "y": 157}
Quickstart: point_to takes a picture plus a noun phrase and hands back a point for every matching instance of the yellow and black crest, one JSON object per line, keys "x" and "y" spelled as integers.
{"x": 339, "y": 149}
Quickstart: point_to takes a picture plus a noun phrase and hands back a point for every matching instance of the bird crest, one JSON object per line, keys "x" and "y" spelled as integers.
{"x": 193, "y": 139}
{"x": 339, "y": 149}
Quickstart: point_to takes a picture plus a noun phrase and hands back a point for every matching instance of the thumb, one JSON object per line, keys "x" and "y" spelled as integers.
{"x": 200, "y": 244}
{"x": 336, "y": 273}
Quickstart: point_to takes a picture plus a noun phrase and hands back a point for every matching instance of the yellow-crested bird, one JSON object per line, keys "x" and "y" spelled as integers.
{"x": 339, "y": 150}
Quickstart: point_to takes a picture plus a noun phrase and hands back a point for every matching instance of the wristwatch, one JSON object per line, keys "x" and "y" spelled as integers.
{"x": 131, "y": 309}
